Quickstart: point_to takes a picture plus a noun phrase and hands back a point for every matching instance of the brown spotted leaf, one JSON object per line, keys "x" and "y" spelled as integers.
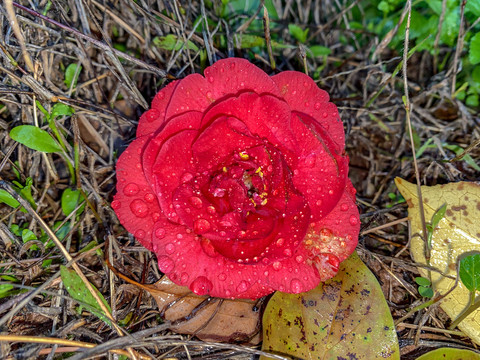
{"x": 457, "y": 233}
{"x": 209, "y": 319}
{"x": 346, "y": 317}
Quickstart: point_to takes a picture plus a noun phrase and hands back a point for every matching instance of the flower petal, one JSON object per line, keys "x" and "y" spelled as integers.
{"x": 135, "y": 202}
{"x": 152, "y": 119}
{"x": 303, "y": 95}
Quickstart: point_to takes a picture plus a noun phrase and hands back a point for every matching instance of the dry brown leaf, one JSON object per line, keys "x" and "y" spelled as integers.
{"x": 209, "y": 319}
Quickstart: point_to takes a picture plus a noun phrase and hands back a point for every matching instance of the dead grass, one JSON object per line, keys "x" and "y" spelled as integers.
{"x": 122, "y": 69}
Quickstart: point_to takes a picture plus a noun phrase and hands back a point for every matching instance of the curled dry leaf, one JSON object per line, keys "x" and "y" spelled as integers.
{"x": 208, "y": 318}
{"x": 456, "y": 234}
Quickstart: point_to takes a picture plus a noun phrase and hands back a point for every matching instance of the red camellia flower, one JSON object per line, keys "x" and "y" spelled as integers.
{"x": 238, "y": 182}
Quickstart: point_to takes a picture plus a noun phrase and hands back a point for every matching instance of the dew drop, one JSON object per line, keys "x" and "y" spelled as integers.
{"x": 161, "y": 95}
{"x": 201, "y": 285}
{"x": 152, "y": 115}
{"x": 209, "y": 94}
{"x": 170, "y": 248}
{"x": 318, "y": 202}
{"x": 196, "y": 202}
{"x": 353, "y": 220}
{"x": 149, "y": 197}
{"x": 296, "y": 286}
{"x": 277, "y": 265}
{"x": 184, "y": 278}
{"x": 287, "y": 252}
{"x": 219, "y": 192}
{"x": 201, "y": 226}
{"x": 210, "y": 79}
{"x": 211, "y": 210}
{"x": 186, "y": 177}
{"x": 344, "y": 207}
{"x": 325, "y": 114}
{"x": 160, "y": 233}
{"x": 116, "y": 204}
{"x": 310, "y": 161}
{"x": 139, "y": 208}
{"x": 299, "y": 259}
{"x": 222, "y": 277}
{"x": 243, "y": 286}
{"x": 165, "y": 264}
{"x": 140, "y": 234}
{"x": 208, "y": 247}
{"x": 131, "y": 189}
{"x": 280, "y": 242}
{"x": 317, "y": 106}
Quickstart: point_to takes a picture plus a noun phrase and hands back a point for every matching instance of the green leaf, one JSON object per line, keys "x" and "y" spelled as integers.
{"x": 422, "y": 281}
{"x": 8, "y": 199}
{"x": 5, "y": 290}
{"x": 28, "y": 235}
{"x": 298, "y": 33}
{"x": 474, "y": 51}
{"x": 78, "y": 291}
{"x": 470, "y": 272}
{"x": 61, "y": 110}
{"x": 70, "y": 74}
{"x": 70, "y": 200}
{"x": 35, "y": 138}
{"x": 439, "y": 215}
{"x": 425, "y": 291}
{"x": 319, "y": 50}
{"x": 172, "y": 42}
{"x": 450, "y": 354}
{"x": 344, "y": 317}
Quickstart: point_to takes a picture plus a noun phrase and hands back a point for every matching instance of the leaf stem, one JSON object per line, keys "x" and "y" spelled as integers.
{"x": 472, "y": 306}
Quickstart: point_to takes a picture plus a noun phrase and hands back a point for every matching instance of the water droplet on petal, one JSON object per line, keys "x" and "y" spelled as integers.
{"x": 165, "y": 264}
{"x": 211, "y": 210}
{"x": 325, "y": 114}
{"x": 280, "y": 242}
{"x": 131, "y": 189}
{"x": 353, "y": 220}
{"x": 277, "y": 265}
{"x": 152, "y": 115}
{"x": 208, "y": 247}
{"x": 296, "y": 286}
{"x": 219, "y": 192}
{"x": 310, "y": 161}
{"x": 139, "y": 208}
{"x": 149, "y": 197}
{"x": 201, "y": 285}
{"x": 317, "y": 106}
{"x": 115, "y": 204}
{"x": 299, "y": 259}
{"x": 222, "y": 277}
{"x": 201, "y": 226}
{"x": 243, "y": 286}
{"x": 184, "y": 278}
{"x": 140, "y": 234}
{"x": 160, "y": 233}
{"x": 170, "y": 248}
{"x": 161, "y": 95}
{"x": 196, "y": 202}
{"x": 210, "y": 79}
{"x": 186, "y": 177}
{"x": 318, "y": 202}
{"x": 344, "y": 207}
{"x": 287, "y": 252}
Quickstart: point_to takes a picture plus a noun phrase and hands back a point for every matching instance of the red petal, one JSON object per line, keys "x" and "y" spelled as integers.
{"x": 304, "y": 96}
{"x": 135, "y": 203}
{"x": 173, "y": 161}
{"x": 265, "y": 116}
{"x": 225, "y": 137}
{"x": 320, "y": 172}
{"x": 153, "y": 119}
{"x": 225, "y": 78}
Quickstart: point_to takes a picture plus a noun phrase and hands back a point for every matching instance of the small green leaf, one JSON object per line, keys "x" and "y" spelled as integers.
{"x": 474, "y": 51}
{"x": 450, "y": 354}
{"x": 70, "y": 74}
{"x": 422, "y": 281}
{"x": 470, "y": 272}
{"x": 28, "y": 235}
{"x": 172, "y": 42}
{"x": 35, "y": 138}
{"x": 5, "y": 290}
{"x": 78, "y": 291}
{"x": 8, "y": 199}
{"x": 425, "y": 291}
{"x": 61, "y": 110}
{"x": 298, "y": 33}
{"x": 438, "y": 216}
{"x": 70, "y": 200}
{"x": 319, "y": 50}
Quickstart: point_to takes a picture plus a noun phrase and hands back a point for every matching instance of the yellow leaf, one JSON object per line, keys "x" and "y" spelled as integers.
{"x": 457, "y": 233}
